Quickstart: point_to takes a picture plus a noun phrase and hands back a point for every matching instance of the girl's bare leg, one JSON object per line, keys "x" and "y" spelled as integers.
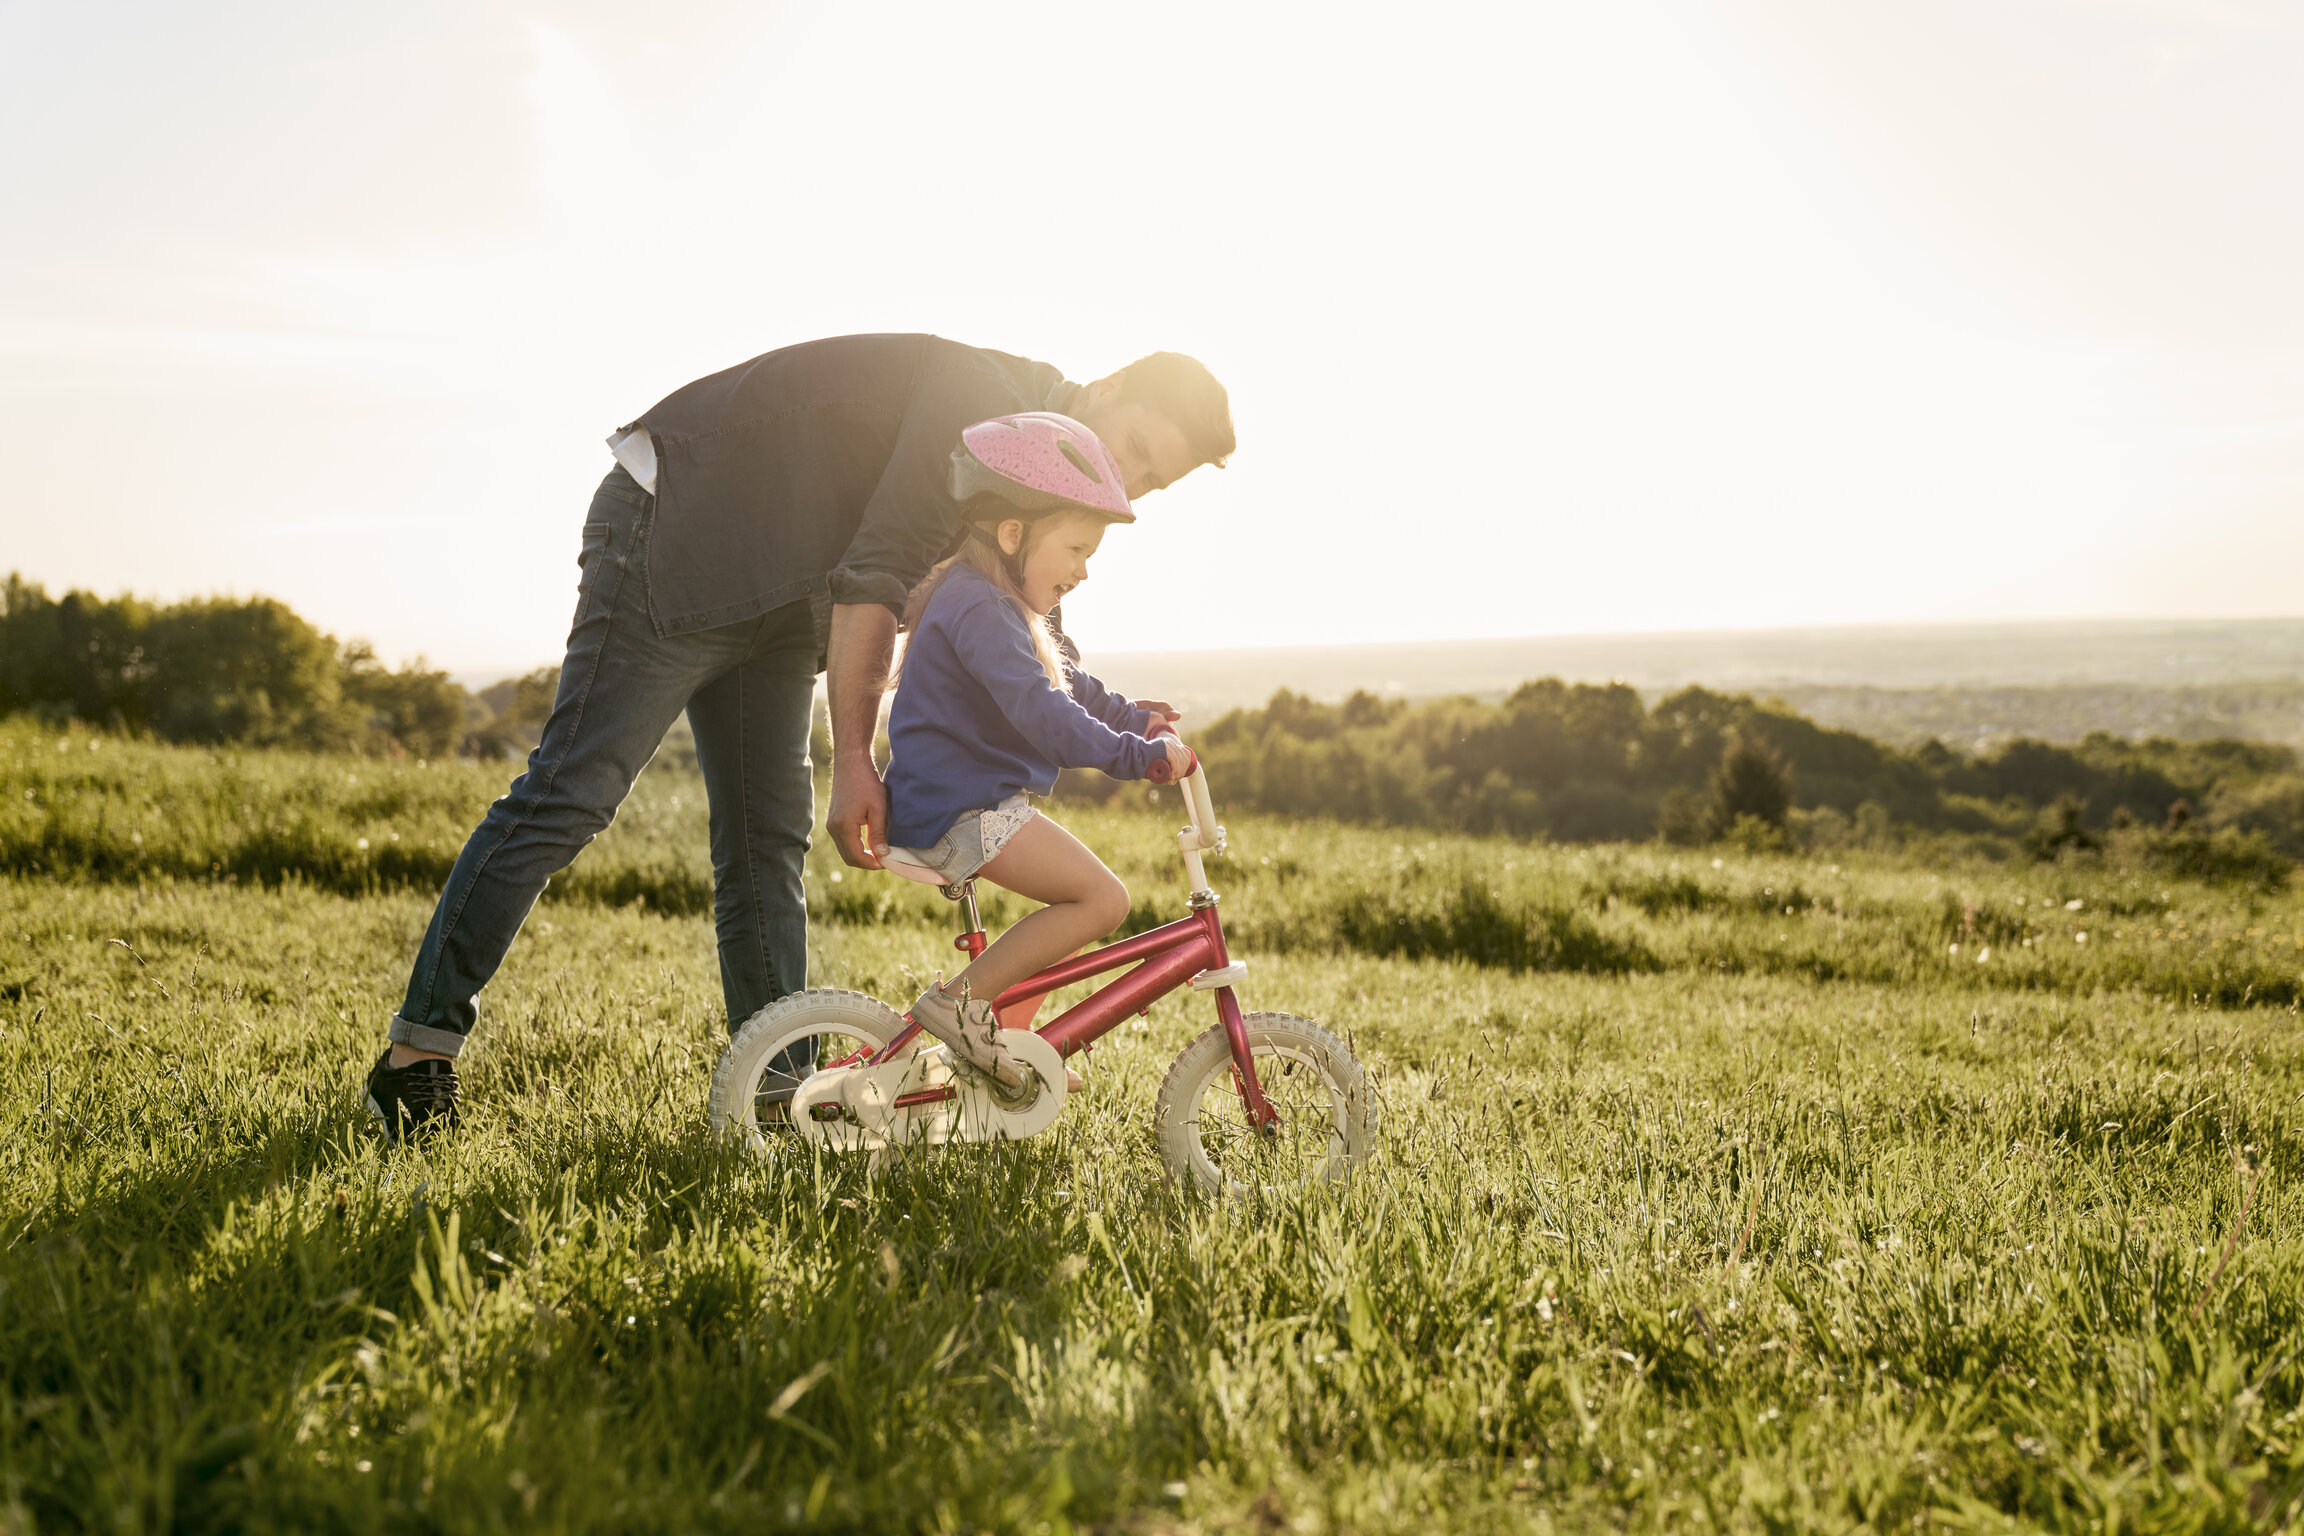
{"x": 1085, "y": 901}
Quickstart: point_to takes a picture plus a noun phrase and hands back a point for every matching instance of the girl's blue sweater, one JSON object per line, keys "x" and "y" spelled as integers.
{"x": 975, "y": 721}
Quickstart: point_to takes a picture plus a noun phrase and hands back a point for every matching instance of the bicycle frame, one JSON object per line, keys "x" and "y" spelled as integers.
{"x": 1174, "y": 955}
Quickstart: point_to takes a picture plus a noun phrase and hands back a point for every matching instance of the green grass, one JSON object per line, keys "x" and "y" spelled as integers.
{"x": 80, "y": 808}
{"x": 1976, "y": 1209}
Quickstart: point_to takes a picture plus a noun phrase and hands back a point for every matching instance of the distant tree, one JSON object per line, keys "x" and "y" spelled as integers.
{"x": 248, "y": 671}
{"x": 516, "y": 709}
{"x": 1306, "y": 719}
{"x": 1873, "y": 827}
{"x": 30, "y": 646}
{"x": 1752, "y": 780}
{"x": 103, "y": 658}
{"x": 414, "y": 710}
{"x": 1685, "y": 816}
{"x": 1364, "y": 709}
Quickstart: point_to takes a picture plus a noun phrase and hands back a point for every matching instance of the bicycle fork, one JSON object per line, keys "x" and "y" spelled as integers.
{"x": 1261, "y": 1115}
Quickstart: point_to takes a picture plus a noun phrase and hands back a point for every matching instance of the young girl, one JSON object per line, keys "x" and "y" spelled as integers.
{"x": 987, "y": 710}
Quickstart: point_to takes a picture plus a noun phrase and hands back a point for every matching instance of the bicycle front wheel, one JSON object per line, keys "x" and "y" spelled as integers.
{"x": 1326, "y": 1124}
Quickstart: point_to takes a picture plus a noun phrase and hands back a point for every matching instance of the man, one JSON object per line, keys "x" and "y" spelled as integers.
{"x": 757, "y": 522}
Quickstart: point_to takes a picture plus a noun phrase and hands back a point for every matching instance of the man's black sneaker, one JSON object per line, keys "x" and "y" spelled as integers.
{"x": 415, "y": 1100}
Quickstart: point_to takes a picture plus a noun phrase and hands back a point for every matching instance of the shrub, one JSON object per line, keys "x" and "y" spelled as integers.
{"x": 1754, "y": 835}
{"x": 2227, "y": 856}
{"x": 2061, "y": 829}
{"x": 1472, "y": 922}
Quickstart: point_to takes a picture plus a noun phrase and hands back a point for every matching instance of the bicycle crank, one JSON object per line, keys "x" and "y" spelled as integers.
{"x": 930, "y": 1099}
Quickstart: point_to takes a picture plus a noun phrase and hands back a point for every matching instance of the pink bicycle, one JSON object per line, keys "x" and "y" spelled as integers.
{"x": 1257, "y": 1102}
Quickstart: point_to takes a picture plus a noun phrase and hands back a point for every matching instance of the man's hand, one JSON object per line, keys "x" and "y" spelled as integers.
{"x": 859, "y": 819}
{"x": 856, "y": 675}
{"x": 1164, "y": 715}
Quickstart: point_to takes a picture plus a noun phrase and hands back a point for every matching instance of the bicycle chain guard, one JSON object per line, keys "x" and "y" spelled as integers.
{"x": 859, "y": 1109}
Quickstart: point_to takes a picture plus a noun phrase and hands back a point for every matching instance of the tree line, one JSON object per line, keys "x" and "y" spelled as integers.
{"x": 1578, "y": 762}
{"x": 245, "y": 671}
{"x": 1568, "y": 761}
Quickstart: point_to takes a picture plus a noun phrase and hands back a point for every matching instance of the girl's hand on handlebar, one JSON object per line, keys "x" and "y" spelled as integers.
{"x": 1176, "y": 762}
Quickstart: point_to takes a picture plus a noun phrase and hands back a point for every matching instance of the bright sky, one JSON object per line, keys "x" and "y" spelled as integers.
{"x": 1653, "y": 314}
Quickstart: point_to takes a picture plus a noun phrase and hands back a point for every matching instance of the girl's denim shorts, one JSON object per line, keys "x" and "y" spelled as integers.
{"x": 976, "y": 839}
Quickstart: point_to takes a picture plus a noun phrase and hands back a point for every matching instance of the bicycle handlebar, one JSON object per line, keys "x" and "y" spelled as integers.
{"x": 1163, "y": 771}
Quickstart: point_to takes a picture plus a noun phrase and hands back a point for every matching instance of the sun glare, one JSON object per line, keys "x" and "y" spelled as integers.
{"x": 1626, "y": 318}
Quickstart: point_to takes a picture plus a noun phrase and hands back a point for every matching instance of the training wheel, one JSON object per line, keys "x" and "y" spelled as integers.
{"x": 926, "y": 1100}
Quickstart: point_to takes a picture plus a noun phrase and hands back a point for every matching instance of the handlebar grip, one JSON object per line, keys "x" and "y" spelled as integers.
{"x": 1164, "y": 772}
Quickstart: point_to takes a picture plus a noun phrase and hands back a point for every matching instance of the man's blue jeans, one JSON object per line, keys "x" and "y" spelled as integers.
{"x": 747, "y": 689}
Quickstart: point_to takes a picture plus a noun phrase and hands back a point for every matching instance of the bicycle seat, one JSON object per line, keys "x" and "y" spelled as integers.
{"x": 899, "y": 862}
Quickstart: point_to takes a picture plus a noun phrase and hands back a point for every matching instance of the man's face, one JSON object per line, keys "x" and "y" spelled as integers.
{"x": 1151, "y": 448}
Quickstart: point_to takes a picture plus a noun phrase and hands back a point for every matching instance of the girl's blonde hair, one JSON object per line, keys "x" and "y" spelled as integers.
{"x": 986, "y": 558}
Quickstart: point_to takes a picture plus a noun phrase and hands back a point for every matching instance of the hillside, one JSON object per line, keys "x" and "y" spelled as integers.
{"x": 1983, "y": 719}
{"x": 1974, "y": 686}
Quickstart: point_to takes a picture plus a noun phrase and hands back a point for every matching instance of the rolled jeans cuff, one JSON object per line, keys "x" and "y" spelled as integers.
{"x": 425, "y": 1037}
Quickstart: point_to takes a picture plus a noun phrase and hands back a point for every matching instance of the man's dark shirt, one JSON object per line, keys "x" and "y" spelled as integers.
{"x": 818, "y": 472}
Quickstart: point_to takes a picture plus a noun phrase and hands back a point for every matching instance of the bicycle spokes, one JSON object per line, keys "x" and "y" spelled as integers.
{"x": 1308, "y": 1130}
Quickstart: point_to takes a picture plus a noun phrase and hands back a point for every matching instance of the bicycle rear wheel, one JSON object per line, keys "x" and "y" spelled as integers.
{"x": 782, "y": 1046}
{"x": 1327, "y": 1120}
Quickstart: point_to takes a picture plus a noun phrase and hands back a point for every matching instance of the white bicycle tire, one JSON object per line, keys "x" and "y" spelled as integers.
{"x": 764, "y": 1036}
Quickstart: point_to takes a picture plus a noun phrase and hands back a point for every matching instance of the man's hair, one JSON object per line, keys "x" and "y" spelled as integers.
{"x": 1183, "y": 390}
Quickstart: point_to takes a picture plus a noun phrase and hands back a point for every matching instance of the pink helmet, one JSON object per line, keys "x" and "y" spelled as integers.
{"x": 1039, "y": 462}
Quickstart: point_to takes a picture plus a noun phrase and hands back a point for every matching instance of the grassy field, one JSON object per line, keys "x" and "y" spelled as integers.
{"x": 1714, "y": 1194}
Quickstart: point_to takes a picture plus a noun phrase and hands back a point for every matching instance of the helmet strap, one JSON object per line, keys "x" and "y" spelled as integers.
{"x": 1012, "y": 563}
